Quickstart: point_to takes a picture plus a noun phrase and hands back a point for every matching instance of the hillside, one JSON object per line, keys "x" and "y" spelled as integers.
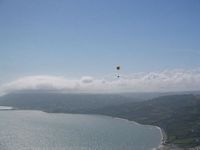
{"x": 65, "y": 103}
{"x": 178, "y": 115}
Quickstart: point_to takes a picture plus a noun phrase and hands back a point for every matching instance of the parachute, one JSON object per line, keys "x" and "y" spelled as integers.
{"x": 118, "y": 69}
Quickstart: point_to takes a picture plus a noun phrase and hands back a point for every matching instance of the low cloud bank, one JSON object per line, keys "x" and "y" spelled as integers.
{"x": 163, "y": 81}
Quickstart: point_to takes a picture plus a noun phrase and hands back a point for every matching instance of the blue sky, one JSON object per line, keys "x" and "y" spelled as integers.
{"x": 74, "y": 38}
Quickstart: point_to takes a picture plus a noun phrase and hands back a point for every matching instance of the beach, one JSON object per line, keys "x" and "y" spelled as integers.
{"x": 164, "y": 145}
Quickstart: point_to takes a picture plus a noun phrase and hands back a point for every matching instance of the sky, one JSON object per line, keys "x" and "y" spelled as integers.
{"x": 70, "y": 40}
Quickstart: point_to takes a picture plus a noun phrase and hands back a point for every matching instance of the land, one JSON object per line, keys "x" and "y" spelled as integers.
{"x": 177, "y": 115}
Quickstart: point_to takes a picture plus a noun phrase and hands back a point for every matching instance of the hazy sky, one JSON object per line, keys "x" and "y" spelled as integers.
{"x": 74, "y": 38}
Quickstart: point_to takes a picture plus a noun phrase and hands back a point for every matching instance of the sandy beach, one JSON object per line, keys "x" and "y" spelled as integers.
{"x": 164, "y": 145}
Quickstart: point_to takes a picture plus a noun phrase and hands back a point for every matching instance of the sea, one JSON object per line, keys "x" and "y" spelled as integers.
{"x": 37, "y": 130}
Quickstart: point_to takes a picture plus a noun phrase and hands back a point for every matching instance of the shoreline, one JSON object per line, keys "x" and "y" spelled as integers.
{"x": 162, "y": 141}
{"x": 163, "y": 144}
{"x": 6, "y": 108}
{"x": 123, "y": 119}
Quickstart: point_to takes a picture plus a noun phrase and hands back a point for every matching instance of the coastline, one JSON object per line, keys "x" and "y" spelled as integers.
{"x": 164, "y": 145}
{"x": 163, "y": 138}
{"x": 3, "y": 108}
{"x": 117, "y": 118}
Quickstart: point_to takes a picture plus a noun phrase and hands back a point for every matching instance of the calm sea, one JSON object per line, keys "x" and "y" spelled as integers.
{"x": 36, "y": 130}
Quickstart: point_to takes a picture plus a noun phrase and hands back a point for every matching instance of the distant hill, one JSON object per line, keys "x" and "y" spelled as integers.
{"x": 178, "y": 115}
{"x": 66, "y": 103}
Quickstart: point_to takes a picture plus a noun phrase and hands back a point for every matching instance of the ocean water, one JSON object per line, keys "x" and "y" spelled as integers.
{"x": 36, "y": 130}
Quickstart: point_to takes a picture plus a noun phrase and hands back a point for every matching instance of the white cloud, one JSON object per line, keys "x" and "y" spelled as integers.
{"x": 168, "y": 80}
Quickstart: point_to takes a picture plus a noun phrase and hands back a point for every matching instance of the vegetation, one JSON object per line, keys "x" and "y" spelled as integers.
{"x": 65, "y": 103}
{"x": 178, "y": 115}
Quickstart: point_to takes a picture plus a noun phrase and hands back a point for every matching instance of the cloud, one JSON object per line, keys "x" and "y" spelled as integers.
{"x": 163, "y": 81}
{"x": 56, "y": 83}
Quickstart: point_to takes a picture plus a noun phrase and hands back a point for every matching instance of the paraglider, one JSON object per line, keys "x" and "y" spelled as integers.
{"x": 118, "y": 69}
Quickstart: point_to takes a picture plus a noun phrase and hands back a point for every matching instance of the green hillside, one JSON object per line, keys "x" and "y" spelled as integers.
{"x": 178, "y": 115}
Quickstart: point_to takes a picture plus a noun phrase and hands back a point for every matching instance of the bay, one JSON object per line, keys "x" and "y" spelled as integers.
{"x": 36, "y": 130}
